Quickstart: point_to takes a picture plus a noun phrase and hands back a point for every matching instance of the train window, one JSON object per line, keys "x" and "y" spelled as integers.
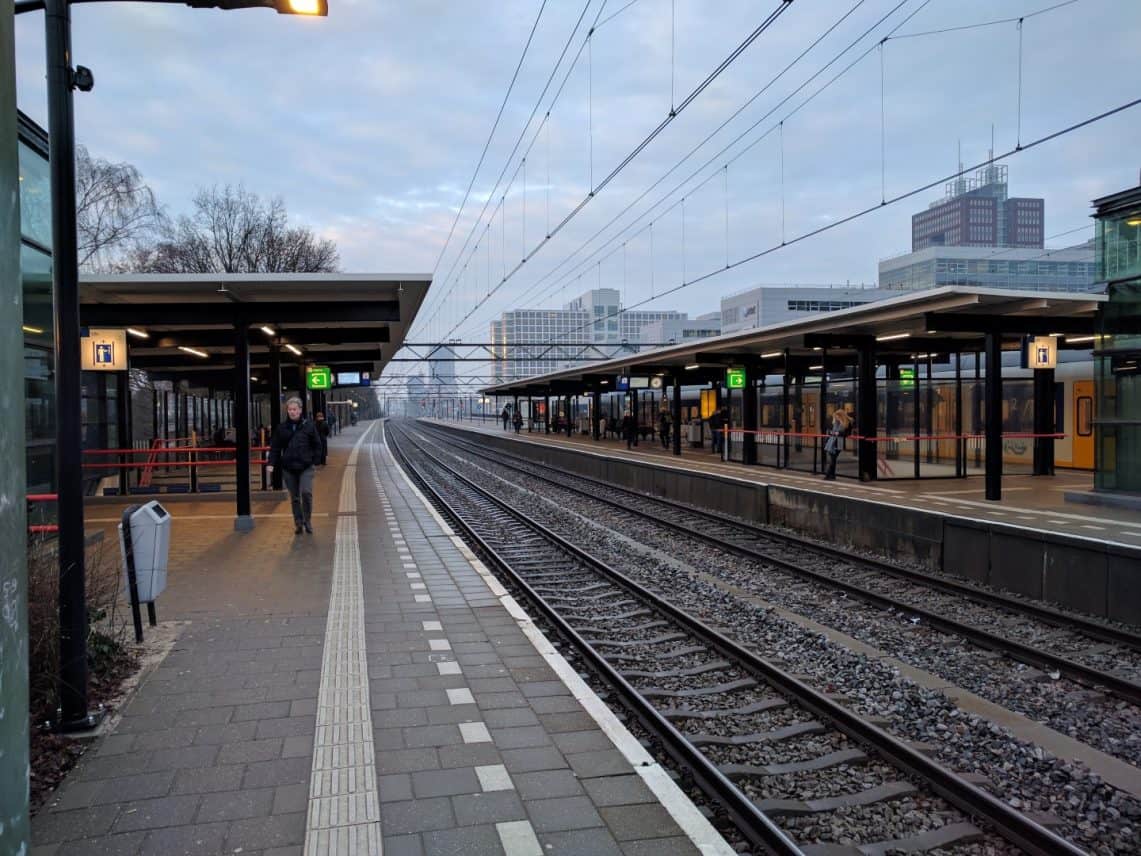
{"x": 1084, "y": 416}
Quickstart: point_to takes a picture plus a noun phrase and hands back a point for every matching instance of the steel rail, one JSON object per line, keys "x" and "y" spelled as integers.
{"x": 1012, "y": 824}
{"x": 753, "y": 823}
{"x": 1044, "y": 612}
{"x": 1086, "y": 675}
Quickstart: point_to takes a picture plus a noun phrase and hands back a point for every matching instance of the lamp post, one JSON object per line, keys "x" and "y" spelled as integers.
{"x": 62, "y": 79}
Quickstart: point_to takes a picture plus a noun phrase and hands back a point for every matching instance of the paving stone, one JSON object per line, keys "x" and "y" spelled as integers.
{"x": 432, "y": 735}
{"x": 200, "y": 838}
{"x": 636, "y": 822}
{"x": 490, "y": 807}
{"x": 175, "y": 738}
{"x": 530, "y": 760}
{"x": 469, "y": 755}
{"x": 538, "y": 689}
{"x": 262, "y": 710}
{"x": 417, "y": 815}
{"x": 607, "y": 762}
{"x": 563, "y": 813}
{"x": 126, "y": 844}
{"x": 288, "y": 726}
{"x": 179, "y": 759}
{"x": 288, "y": 799}
{"x": 546, "y": 784}
{"x": 296, "y": 747}
{"x": 402, "y": 717}
{"x": 589, "y": 842}
{"x": 571, "y": 742}
{"x": 208, "y": 780}
{"x": 235, "y": 805}
{"x": 510, "y": 717}
{"x": 284, "y": 771}
{"x": 677, "y": 846}
{"x": 407, "y": 761}
{"x": 522, "y": 737}
{"x": 232, "y": 732}
{"x": 467, "y": 841}
{"x": 403, "y": 845}
{"x": 444, "y": 783}
{"x": 277, "y": 830}
{"x": 250, "y": 751}
{"x": 65, "y": 825}
{"x": 151, "y": 814}
{"x": 618, "y": 790}
{"x": 544, "y": 705}
{"x": 395, "y": 788}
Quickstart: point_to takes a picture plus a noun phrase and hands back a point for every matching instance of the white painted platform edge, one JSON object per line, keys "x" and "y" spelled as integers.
{"x": 680, "y": 807}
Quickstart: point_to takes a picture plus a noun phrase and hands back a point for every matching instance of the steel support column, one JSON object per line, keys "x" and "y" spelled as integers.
{"x": 244, "y": 520}
{"x": 866, "y": 412}
{"x": 1044, "y": 422}
{"x": 570, "y": 426}
{"x": 993, "y": 394}
{"x": 595, "y": 414}
{"x": 677, "y": 414}
{"x": 749, "y": 417}
{"x": 68, "y": 381}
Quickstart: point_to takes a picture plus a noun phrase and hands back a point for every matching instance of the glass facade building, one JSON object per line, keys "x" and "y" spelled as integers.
{"x": 1117, "y": 357}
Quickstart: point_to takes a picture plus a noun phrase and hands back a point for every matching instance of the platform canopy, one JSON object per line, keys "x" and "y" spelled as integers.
{"x": 935, "y": 322}
{"x": 348, "y": 321}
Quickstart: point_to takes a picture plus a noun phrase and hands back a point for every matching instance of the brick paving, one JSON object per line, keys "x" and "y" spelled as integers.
{"x": 479, "y": 746}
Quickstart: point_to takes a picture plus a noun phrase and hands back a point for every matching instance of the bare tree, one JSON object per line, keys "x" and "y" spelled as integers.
{"x": 233, "y": 231}
{"x": 114, "y": 208}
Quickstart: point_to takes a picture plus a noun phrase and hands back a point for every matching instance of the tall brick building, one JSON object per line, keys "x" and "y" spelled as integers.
{"x": 976, "y": 212}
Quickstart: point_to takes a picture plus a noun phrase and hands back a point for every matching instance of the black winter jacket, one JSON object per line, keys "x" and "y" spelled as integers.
{"x": 294, "y": 446}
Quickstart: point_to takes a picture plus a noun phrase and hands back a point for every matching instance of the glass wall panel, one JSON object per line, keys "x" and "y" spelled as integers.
{"x": 35, "y": 197}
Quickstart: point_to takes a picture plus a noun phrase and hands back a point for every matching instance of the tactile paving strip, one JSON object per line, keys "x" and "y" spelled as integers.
{"x": 344, "y": 807}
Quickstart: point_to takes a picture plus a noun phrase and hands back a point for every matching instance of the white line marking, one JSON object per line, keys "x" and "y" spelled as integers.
{"x": 439, "y": 645}
{"x": 418, "y": 586}
{"x": 432, "y": 625}
{"x": 494, "y": 777}
{"x": 475, "y": 732}
{"x": 412, "y": 575}
{"x": 460, "y": 696}
{"x": 518, "y": 838}
{"x": 449, "y": 668}
{"x": 423, "y": 598}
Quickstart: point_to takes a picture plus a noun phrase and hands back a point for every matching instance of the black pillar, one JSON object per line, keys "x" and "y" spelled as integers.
{"x": 749, "y": 416}
{"x": 244, "y": 520}
{"x": 993, "y": 394}
{"x": 274, "y": 385}
{"x": 123, "y": 417}
{"x": 960, "y": 443}
{"x": 570, "y": 427}
{"x": 68, "y": 382}
{"x": 1044, "y": 422}
{"x": 677, "y": 414}
{"x": 866, "y": 412}
{"x": 916, "y": 425}
{"x": 823, "y": 423}
{"x": 595, "y": 413}
{"x": 530, "y": 414}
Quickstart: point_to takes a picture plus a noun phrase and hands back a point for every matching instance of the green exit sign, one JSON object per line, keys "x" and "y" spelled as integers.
{"x": 319, "y": 377}
{"x": 735, "y": 378}
{"x": 906, "y": 377}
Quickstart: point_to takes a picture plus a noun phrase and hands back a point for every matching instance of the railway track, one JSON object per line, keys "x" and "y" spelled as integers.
{"x": 936, "y": 601}
{"x": 786, "y": 761}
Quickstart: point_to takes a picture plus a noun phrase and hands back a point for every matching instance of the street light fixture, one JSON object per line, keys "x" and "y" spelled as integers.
{"x": 62, "y": 80}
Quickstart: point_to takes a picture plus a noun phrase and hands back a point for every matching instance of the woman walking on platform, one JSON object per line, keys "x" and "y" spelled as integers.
{"x": 296, "y": 447}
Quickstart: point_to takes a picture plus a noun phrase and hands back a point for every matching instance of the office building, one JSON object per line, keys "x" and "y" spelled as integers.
{"x": 977, "y": 212}
{"x": 764, "y": 305}
{"x": 673, "y": 331}
{"x": 550, "y": 335}
{"x": 1069, "y": 269}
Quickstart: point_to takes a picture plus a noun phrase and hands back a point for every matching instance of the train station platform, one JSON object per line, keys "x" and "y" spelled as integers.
{"x": 1031, "y": 502}
{"x": 367, "y": 686}
{"x": 1032, "y": 543}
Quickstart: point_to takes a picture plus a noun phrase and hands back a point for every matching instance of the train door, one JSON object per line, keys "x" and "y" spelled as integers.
{"x": 1083, "y": 424}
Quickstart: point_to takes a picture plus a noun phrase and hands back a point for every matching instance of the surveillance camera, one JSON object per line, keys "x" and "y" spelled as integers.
{"x": 82, "y": 78}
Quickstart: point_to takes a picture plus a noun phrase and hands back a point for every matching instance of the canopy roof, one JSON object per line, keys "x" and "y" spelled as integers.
{"x": 935, "y": 321}
{"x": 355, "y": 321}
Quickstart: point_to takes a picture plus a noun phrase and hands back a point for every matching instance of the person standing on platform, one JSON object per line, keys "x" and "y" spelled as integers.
{"x": 835, "y": 442}
{"x": 716, "y": 423}
{"x": 505, "y": 415}
{"x": 517, "y": 421}
{"x": 664, "y": 428}
{"x": 296, "y": 447}
{"x": 323, "y": 432}
{"x": 629, "y": 430}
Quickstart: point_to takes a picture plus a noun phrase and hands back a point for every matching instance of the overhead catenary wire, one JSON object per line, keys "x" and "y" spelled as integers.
{"x": 641, "y": 146}
{"x": 491, "y": 134}
{"x": 892, "y": 201}
{"x": 776, "y": 78}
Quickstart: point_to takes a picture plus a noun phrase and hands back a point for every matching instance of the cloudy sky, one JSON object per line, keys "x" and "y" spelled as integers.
{"x": 370, "y": 124}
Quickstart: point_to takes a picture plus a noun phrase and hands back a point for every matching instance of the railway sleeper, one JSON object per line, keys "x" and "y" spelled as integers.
{"x": 756, "y": 707}
{"x": 711, "y": 666}
{"x": 657, "y": 640}
{"x": 622, "y": 616}
{"x": 716, "y": 689}
{"x": 638, "y": 628}
{"x": 933, "y": 839}
{"x": 797, "y": 729}
{"x": 880, "y": 793}
{"x": 832, "y": 759}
